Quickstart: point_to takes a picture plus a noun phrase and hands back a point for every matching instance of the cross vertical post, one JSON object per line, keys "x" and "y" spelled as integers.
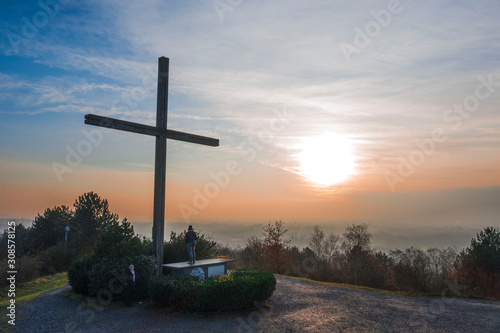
{"x": 162, "y": 133}
{"x": 160, "y": 163}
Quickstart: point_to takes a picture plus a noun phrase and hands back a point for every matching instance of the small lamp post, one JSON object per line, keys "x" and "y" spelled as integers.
{"x": 66, "y": 238}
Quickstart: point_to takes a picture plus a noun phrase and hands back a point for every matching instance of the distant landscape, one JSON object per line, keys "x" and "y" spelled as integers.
{"x": 450, "y": 260}
{"x": 384, "y": 239}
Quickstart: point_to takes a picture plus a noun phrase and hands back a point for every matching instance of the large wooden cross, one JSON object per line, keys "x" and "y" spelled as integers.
{"x": 161, "y": 133}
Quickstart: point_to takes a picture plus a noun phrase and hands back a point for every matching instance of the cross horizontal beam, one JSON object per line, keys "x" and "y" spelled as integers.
{"x": 92, "y": 119}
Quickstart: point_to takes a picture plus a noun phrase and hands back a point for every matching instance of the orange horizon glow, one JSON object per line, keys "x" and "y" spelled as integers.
{"x": 130, "y": 194}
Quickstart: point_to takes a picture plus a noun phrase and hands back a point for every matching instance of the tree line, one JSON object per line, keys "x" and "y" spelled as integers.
{"x": 95, "y": 234}
{"x": 349, "y": 258}
{"x": 346, "y": 258}
{"x": 41, "y": 248}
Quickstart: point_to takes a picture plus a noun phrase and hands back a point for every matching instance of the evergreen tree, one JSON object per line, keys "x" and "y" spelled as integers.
{"x": 48, "y": 229}
{"x": 479, "y": 264}
{"x": 91, "y": 216}
{"x": 484, "y": 250}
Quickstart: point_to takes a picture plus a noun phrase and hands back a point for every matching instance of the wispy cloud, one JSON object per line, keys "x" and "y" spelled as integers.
{"x": 228, "y": 77}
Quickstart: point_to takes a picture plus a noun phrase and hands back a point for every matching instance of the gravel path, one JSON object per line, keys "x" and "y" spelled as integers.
{"x": 296, "y": 306}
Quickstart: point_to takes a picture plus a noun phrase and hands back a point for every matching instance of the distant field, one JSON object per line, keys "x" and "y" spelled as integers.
{"x": 384, "y": 238}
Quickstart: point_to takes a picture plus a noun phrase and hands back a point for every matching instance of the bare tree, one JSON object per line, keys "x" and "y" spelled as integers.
{"x": 412, "y": 268}
{"x": 331, "y": 248}
{"x": 317, "y": 242}
{"x": 356, "y": 236}
{"x": 277, "y": 252}
{"x": 441, "y": 263}
{"x": 251, "y": 255}
{"x": 356, "y": 241}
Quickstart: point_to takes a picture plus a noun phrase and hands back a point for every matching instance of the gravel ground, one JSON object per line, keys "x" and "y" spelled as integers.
{"x": 296, "y": 306}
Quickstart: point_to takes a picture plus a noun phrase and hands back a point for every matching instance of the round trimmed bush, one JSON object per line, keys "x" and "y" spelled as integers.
{"x": 178, "y": 293}
{"x": 107, "y": 278}
{"x": 265, "y": 282}
{"x": 239, "y": 290}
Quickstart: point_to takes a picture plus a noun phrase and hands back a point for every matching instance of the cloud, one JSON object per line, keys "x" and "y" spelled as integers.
{"x": 228, "y": 77}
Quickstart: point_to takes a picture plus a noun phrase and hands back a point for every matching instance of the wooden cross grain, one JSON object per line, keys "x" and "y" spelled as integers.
{"x": 161, "y": 133}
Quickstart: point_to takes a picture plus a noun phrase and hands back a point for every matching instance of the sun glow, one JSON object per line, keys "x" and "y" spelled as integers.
{"x": 326, "y": 160}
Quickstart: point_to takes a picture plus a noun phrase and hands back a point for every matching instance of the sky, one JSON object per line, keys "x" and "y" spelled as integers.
{"x": 378, "y": 112}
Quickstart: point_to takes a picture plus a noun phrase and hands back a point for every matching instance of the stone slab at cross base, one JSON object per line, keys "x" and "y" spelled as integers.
{"x": 203, "y": 268}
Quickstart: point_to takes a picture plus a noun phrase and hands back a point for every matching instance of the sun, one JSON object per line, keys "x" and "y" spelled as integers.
{"x": 325, "y": 160}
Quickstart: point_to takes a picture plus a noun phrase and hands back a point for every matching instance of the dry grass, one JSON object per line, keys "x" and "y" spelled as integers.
{"x": 30, "y": 290}
{"x": 355, "y": 287}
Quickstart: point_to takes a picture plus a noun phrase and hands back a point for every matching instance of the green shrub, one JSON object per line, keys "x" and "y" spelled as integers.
{"x": 101, "y": 274}
{"x": 179, "y": 292}
{"x": 28, "y": 268}
{"x": 227, "y": 293}
{"x": 236, "y": 291}
{"x": 262, "y": 285}
{"x": 78, "y": 273}
{"x": 118, "y": 240}
{"x": 56, "y": 259}
{"x": 175, "y": 249}
{"x": 107, "y": 277}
